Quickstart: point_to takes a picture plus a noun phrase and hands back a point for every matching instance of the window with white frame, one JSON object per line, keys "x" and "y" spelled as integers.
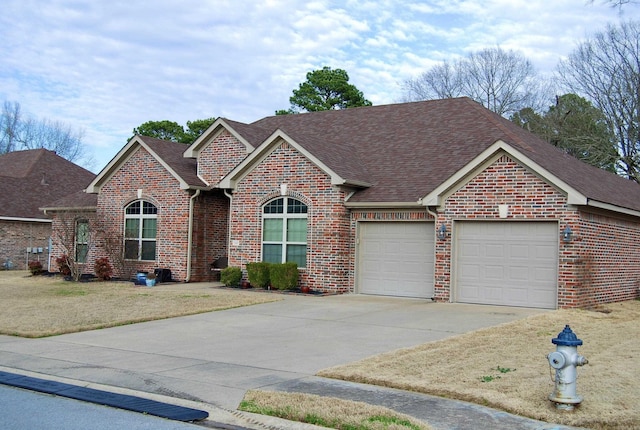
{"x": 82, "y": 240}
{"x": 284, "y": 231}
{"x": 140, "y": 228}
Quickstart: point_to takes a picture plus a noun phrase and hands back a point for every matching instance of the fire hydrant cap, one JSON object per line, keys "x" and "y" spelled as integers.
{"x": 566, "y": 338}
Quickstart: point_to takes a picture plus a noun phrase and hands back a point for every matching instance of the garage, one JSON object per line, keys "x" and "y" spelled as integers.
{"x": 396, "y": 258}
{"x": 507, "y": 263}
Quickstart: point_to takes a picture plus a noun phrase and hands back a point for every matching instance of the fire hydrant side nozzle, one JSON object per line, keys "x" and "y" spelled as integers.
{"x": 565, "y": 360}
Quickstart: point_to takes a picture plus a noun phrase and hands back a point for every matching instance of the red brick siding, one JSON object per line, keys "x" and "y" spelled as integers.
{"x": 210, "y": 233}
{"x": 219, "y": 157}
{"x": 17, "y": 236}
{"x": 329, "y": 249}
{"x": 503, "y": 182}
{"x": 63, "y": 238}
{"x": 608, "y": 267}
{"x": 586, "y": 264}
{"x": 142, "y": 171}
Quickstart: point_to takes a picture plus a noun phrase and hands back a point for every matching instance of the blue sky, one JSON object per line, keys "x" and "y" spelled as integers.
{"x": 108, "y": 66}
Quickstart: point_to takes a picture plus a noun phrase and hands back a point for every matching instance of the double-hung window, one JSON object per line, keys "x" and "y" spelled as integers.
{"x": 82, "y": 240}
{"x": 284, "y": 231}
{"x": 140, "y": 228}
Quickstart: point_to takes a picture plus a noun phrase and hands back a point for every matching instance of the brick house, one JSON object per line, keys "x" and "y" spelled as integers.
{"x": 29, "y": 180}
{"x": 440, "y": 199}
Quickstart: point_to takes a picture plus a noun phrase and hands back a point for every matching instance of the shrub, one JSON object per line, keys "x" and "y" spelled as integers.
{"x": 284, "y": 276}
{"x": 63, "y": 265}
{"x": 35, "y": 267}
{"x": 258, "y": 274}
{"x": 103, "y": 268}
{"x": 231, "y": 276}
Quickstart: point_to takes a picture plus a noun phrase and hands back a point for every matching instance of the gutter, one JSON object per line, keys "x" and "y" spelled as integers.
{"x": 190, "y": 235}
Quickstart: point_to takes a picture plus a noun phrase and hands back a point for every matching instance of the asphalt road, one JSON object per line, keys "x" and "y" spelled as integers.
{"x": 27, "y": 410}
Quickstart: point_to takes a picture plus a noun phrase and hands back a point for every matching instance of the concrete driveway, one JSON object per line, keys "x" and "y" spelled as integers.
{"x": 217, "y": 356}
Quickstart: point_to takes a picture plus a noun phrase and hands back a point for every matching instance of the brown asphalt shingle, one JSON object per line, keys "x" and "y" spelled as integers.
{"x": 172, "y": 154}
{"x": 407, "y": 150}
{"x": 35, "y": 178}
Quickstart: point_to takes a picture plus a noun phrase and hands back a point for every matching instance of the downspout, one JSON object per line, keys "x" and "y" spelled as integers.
{"x": 435, "y": 223}
{"x": 190, "y": 235}
{"x": 230, "y": 196}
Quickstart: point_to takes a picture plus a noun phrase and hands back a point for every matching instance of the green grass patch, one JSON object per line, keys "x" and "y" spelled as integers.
{"x": 69, "y": 292}
{"x": 327, "y": 412}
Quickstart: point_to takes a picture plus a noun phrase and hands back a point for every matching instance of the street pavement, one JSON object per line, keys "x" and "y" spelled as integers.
{"x": 28, "y": 410}
{"x": 210, "y": 360}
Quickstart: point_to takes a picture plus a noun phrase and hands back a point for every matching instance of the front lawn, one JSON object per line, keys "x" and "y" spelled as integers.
{"x": 38, "y": 306}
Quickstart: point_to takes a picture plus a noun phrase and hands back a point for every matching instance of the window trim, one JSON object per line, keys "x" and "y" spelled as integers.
{"x": 77, "y": 242}
{"x": 285, "y": 216}
{"x": 141, "y": 216}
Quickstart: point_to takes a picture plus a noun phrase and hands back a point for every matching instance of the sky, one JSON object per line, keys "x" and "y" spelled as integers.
{"x": 106, "y": 66}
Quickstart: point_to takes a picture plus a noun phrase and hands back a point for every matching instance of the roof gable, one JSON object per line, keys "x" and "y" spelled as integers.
{"x": 407, "y": 152}
{"x": 268, "y": 146}
{"x": 168, "y": 154}
{"x": 248, "y": 136}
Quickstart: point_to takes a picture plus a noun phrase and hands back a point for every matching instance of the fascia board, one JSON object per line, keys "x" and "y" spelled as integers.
{"x": 69, "y": 209}
{"x": 108, "y": 171}
{"x": 125, "y": 153}
{"x": 483, "y": 160}
{"x": 11, "y": 218}
{"x": 384, "y": 205}
{"x": 211, "y": 133}
{"x": 613, "y": 208}
{"x": 256, "y": 157}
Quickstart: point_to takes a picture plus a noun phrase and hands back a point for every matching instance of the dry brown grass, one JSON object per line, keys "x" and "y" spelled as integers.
{"x": 45, "y": 306}
{"x": 328, "y": 411}
{"x": 466, "y": 367}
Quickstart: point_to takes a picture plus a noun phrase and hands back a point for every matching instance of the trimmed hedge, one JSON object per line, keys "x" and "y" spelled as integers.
{"x": 258, "y": 274}
{"x": 284, "y": 276}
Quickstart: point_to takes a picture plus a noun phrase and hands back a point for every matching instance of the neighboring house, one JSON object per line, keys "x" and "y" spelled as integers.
{"x": 30, "y": 180}
{"x": 440, "y": 199}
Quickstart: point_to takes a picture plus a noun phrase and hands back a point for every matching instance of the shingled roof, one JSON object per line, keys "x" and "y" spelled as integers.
{"x": 33, "y": 179}
{"x": 407, "y": 150}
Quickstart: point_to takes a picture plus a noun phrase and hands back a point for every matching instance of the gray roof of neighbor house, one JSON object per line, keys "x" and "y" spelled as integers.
{"x": 407, "y": 150}
{"x": 35, "y": 178}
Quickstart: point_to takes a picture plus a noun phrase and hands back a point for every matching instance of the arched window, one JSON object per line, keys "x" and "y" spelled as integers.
{"x": 284, "y": 231}
{"x": 140, "y": 227}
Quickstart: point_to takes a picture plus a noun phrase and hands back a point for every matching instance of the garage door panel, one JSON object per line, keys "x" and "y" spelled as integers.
{"x": 396, "y": 258}
{"x": 511, "y": 263}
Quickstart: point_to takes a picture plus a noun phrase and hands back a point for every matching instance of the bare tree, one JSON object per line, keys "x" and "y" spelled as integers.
{"x": 442, "y": 81}
{"x": 617, "y": 3}
{"x": 503, "y": 81}
{"x": 9, "y": 126}
{"x": 74, "y": 238}
{"x": 18, "y": 133}
{"x": 606, "y": 70}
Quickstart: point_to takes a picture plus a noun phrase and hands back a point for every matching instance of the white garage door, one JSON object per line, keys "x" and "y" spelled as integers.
{"x": 396, "y": 258}
{"x": 507, "y": 263}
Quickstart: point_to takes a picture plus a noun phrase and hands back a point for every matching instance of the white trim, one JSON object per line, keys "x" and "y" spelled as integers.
{"x": 484, "y": 159}
{"x": 613, "y": 208}
{"x": 384, "y": 205}
{"x": 132, "y": 147}
{"x": 214, "y": 130}
{"x": 11, "y": 218}
{"x": 231, "y": 180}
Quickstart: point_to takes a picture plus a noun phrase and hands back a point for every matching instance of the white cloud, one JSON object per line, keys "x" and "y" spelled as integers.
{"x": 107, "y": 67}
